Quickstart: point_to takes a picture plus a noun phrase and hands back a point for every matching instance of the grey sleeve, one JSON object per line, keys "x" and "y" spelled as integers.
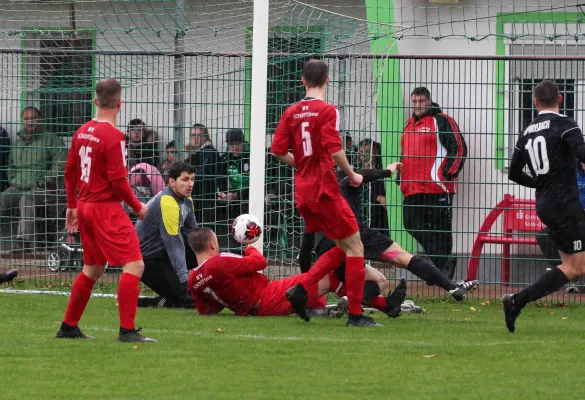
{"x": 190, "y": 222}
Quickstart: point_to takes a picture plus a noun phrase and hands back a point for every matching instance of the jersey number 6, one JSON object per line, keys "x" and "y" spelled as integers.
{"x": 85, "y": 156}
{"x": 538, "y": 155}
{"x": 307, "y": 145}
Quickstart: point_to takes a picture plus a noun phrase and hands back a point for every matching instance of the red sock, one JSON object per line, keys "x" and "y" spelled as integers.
{"x": 354, "y": 280}
{"x": 80, "y": 294}
{"x": 379, "y": 303}
{"x": 128, "y": 291}
{"x": 324, "y": 265}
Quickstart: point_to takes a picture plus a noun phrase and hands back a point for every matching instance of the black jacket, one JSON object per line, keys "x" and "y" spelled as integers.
{"x": 205, "y": 161}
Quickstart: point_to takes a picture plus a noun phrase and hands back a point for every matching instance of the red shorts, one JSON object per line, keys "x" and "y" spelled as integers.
{"x": 107, "y": 234}
{"x": 273, "y": 301}
{"x": 334, "y": 218}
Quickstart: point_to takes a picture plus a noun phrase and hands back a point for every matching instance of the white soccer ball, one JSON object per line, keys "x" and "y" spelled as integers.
{"x": 246, "y": 229}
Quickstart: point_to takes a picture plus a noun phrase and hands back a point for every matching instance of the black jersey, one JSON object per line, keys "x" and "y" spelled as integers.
{"x": 550, "y": 146}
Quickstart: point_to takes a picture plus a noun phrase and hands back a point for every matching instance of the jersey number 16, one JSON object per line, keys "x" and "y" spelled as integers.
{"x": 85, "y": 156}
{"x": 538, "y": 155}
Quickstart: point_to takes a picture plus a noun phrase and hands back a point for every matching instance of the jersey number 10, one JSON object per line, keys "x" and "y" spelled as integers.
{"x": 538, "y": 155}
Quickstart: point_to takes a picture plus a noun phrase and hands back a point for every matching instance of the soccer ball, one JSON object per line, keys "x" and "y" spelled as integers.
{"x": 246, "y": 229}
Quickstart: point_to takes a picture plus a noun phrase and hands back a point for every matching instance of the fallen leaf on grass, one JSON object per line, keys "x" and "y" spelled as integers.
{"x": 457, "y": 310}
{"x": 430, "y": 356}
{"x": 135, "y": 347}
{"x": 485, "y": 303}
{"x": 550, "y": 311}
{"x": 468, "y": 319}
{"x": 220, "y": 330}
{"x": 564, "y": 318}
{"x": 472, "y": 308}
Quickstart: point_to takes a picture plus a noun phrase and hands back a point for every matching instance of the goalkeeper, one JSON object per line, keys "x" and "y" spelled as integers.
{"x": 162, "y": 235}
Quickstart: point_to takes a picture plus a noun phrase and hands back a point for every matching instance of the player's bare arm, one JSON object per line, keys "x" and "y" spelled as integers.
{"x": 286, "y": 158}
{"x": 396, "y": 166}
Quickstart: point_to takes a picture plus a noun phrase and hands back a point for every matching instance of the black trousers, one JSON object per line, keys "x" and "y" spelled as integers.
{"x": 428, "y": 218}
{"x": 160, "y": 276}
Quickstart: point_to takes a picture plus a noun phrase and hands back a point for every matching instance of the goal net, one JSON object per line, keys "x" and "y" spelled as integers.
{"x": 186, "y": 71}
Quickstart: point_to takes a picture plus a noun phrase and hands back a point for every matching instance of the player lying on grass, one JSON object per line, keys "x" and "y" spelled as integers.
{"x": 225, "y": 280}
{"x": 379, "y": 248}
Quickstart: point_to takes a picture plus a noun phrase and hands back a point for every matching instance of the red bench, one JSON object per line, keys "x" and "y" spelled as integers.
{"x": 519, "y": 216}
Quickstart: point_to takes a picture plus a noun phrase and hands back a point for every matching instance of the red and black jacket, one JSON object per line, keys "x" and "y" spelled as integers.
{"x": 433, "y": 154}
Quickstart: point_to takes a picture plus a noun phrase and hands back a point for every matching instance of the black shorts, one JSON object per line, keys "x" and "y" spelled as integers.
{"x": 566, "y": 226}
{"x": 374, "y": 245}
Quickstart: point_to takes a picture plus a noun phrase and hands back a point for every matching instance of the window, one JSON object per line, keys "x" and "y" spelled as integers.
{"x": 284, "y": 73}
{"x": 60, "y": 85}
{"x": 526, "y": 74}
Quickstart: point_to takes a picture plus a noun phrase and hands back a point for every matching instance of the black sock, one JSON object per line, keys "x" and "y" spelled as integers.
{"x": 429, "y": 273}
{"x": 371, "y": 290}
{"x": 548, "y": 283}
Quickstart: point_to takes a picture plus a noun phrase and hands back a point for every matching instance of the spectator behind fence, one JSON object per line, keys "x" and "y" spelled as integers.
{"x": 371, "y": 158}
{"x": 163, "y": 238}
{"x": 169, "y": 159}
{"x": 204, "y": 158}
{"x": 433, "y": 154}
{"x": 141, "y": 144}
{"x": 234, "y": 171}
{"x": 37, "y": 162}
{"x": 351, "y": 151}
{"x": 4, "y": 158}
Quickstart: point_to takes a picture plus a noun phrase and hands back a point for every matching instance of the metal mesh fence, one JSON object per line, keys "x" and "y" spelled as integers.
{"x": 488, "y": 97}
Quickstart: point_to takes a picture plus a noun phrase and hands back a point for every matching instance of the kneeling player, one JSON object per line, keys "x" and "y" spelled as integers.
{"x": 379, "y": 247}
{"x": 225, "y": 280}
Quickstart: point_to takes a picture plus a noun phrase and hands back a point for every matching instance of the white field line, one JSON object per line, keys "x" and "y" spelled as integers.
{"x": 319, "y": 339}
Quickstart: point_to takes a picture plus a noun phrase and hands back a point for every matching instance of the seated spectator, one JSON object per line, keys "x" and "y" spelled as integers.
{"x": 163, "y": 236}
{"x": 35, "y": 176}
{"x": 234, "y": 171}
{"x": 169, "y": 160}
{"x": 4, "y": 158}
{"x": 141, "y": 148}
{"x": 204, "y": 158}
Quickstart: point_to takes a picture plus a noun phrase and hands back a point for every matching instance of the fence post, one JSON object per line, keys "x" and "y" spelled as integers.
{"x": 258, "y": 111}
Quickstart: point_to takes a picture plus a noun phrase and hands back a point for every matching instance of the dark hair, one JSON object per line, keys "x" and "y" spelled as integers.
{"x": 170, "y": 144}
{"x": 136, "y": 122}
{"x": 177, "y": 168}
{"x": 547, "y": 93}
{"x": 203, "y": 128}
{"x": 421, "y": 91}
{"x": 34, "y": 110}
{"x": 315, "y": 73}
{"x": 199, "y": 239}
{"x": 108, "y": 92}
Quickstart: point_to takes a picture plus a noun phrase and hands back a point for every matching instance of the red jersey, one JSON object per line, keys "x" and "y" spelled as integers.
{"x": 228, "y": 281}
{"x": 433, "y": 154}
{"x": 311, "y": 128}
{"x": 96, "y": 158}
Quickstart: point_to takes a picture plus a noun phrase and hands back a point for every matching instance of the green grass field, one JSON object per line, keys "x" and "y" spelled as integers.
{"x": 451, "y": 352}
